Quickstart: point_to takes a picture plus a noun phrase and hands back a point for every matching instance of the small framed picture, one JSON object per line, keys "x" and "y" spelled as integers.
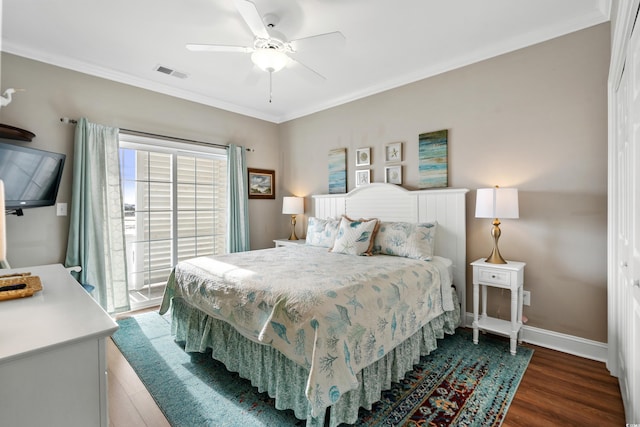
{"x": 393, "y": 175}
{"x": 393, "y": 152}
{"x": 363, "y": 177}
{"x": 363, "y": 156}
{"x": 262, "y": 184}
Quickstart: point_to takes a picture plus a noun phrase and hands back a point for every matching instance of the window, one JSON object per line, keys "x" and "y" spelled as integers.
{"x": 174, "y": 201}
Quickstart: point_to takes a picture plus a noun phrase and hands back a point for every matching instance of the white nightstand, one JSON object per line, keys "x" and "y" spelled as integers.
{"x": 507, "y": 276}
{"x": 287, "y": 242}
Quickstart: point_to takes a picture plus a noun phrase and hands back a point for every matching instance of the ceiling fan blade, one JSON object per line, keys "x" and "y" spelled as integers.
{"x": 253, "y": 19}
{"x": 307, "y": 72}
{"x": 321, "y": 41}
{"x": 218, "y": 48}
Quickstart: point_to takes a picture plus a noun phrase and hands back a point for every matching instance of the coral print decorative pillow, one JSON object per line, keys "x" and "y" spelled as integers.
{"x": 355, "y": 237}
{"x": 406, "y": 239}
{"x": 322, "y": 232}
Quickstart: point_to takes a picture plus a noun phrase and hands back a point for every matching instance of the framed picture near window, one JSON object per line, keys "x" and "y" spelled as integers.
{"x": 262, "y": 184}
{"x": 393, "y": 152}
{"x": 363, "y": 156}
{"x": 363, "y": 177}
{"x": 393, "y": 175}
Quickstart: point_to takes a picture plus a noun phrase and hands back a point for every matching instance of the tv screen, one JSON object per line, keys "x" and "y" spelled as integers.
{"x": 31, "y": 177}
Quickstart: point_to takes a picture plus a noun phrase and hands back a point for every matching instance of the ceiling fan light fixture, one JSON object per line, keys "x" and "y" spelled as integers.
{"x": 268, "y": 59}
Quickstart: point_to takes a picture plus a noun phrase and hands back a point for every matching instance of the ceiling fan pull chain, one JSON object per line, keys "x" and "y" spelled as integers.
{"x": 270, "y": 86}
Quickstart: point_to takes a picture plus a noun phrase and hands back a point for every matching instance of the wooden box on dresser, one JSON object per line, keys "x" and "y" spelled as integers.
{"x": 53, "y": 368}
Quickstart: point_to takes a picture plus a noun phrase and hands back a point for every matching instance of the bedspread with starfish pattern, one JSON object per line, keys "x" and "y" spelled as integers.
{"x": 331, "y": 313}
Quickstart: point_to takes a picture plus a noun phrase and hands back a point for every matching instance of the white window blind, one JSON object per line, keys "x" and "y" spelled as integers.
{"x": 175, "y": 208}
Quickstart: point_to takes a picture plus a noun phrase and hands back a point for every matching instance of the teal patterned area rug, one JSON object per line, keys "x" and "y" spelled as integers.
{"x": 459, "y": 384}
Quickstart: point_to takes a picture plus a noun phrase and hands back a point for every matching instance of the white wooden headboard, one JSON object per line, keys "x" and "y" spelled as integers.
{"x": 389, "y": 202}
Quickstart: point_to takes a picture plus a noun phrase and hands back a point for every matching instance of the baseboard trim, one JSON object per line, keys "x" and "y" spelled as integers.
{"x": 570, "y": 344}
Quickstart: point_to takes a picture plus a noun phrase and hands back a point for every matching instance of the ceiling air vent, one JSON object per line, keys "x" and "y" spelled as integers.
{"x": 171, "y": 72}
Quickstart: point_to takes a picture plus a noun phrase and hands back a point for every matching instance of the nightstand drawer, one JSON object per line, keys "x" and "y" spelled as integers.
{"x": 498, "y": 277}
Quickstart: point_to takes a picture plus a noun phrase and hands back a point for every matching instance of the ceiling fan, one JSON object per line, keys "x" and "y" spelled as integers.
{"x": 270, "y": 50}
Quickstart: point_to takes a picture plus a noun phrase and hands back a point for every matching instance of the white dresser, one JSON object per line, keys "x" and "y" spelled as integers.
{"x": 53, "y": 369}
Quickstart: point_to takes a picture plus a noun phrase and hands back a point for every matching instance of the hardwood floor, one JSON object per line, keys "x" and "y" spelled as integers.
{"x": 557, "y": 389}
{"x": 130, "y": 404}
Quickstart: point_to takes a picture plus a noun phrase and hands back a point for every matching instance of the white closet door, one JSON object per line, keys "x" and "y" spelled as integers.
{"x": 632, "y": 278}
{"x": 622, "y": 196}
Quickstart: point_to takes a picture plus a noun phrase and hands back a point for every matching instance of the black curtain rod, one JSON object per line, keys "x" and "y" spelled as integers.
{"x": 67, "y": 120}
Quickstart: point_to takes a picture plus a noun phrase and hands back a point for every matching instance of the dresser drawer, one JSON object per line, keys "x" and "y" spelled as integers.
{"x": 497, "y": 277}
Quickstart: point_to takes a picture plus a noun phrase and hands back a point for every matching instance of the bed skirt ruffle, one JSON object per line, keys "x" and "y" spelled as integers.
{"x": 285, "y": 381}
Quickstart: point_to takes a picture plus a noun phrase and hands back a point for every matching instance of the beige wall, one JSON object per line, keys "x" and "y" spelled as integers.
{"x": 40, "y": 237}
{"x": 535, "y": 119}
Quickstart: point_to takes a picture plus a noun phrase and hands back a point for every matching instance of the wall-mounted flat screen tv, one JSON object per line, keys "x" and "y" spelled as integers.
{"x": 31, "y": 176}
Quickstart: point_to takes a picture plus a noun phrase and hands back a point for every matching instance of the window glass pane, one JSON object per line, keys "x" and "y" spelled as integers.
{"x": 186, "y": 196}
{"x": 159, "y": 277}
{"x": 160, "y": 167}
{"x": 160, "y": 195}
{"x": 141, "y": 229}
{"x": 137, "y": 257}
{"x": 129, "y": 196}
{"x": 205, "y": 170}
{"x": 142, "y": 165}
{"x": 219, "y": 244}
{"x": 160, "y": 255}
{"x": 186, "y": 169}
{"x": 159, "y": 226}
{"x": 186, "y": 223}
{"x": 138, "y": 280}
{"x": 141, "y": 201}
{"x": 169, "y": 217}
{"x": 205, "y": 222}
{"x": 153, "y": 195}
{"x": 204, "y": 196}
{"x": 205, "y": 246}
{"x": 186, "y": 248}
{"x": 129, "y": 222}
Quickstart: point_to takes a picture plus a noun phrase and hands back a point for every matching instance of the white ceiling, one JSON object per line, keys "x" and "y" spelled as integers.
{"x": 388, "y": 43}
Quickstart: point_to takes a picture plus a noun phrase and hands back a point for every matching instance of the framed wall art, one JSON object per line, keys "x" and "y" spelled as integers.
{"x": 338, "y": 171}
{"x": 363, "y": 177}
{"x": 432, "y": 159}
{"x": 363, "y": 156}
{"x": 393, "y": 152}
{"x": 262, "y": 184}
{"x": 393, "y": 175}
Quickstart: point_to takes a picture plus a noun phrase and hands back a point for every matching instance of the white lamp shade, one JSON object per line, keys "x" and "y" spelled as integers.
{"x": 3, "y": 239}
{"x": 271, "y": 60}
{"x": 497, "y": 203}
{"x": 292, "y": 205}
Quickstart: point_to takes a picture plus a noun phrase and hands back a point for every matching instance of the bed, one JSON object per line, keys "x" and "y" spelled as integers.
{"x": 322, "y": 329}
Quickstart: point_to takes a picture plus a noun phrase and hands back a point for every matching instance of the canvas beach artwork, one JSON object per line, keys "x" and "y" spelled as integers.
{"x": 432, "y": 159}
{"x": 338, "y": 171}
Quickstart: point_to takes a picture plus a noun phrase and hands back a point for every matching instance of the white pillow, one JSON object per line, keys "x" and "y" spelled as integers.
{"x": 355, "y": 237}
{"x": 405, "y": 239}
{"x": 322, "y": 232}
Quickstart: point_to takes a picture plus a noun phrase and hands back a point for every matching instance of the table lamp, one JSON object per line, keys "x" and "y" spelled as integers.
{"x": 496, "y": 203}
{"x": 293, "y": 206}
